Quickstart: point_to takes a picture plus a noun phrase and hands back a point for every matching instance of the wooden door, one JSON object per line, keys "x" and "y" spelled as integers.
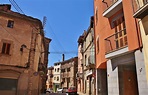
{"x": 130, "y": 86}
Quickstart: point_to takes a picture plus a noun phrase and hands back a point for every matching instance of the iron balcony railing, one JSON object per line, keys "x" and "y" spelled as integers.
{"x": 109, "y": 2}
{"x": 91, "y": 59}
{"x": 138, "y": 4}
{"x": 116, "y": 41}
{"x": 65, "y": 74}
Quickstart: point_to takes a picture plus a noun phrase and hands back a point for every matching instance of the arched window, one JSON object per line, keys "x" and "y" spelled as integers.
{"x": 57, "y": 78}
{"x": 97, "y": 43}
{"x": 58, "y": 70}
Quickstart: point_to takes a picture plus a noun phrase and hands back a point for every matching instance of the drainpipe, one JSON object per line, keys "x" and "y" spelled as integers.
{"x": 138, "y": 34}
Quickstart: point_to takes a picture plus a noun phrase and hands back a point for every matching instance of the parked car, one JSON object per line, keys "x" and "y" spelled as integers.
{"x": 49, "y": 90}
{"x": 65, "y": 89}
{"x": 72, "y": 91}
{"x": 62, "y": 90}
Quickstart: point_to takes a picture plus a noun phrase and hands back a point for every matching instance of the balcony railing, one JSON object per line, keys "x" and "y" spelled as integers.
{"x": 80, "y": 75}
{"x": 91, "y": 59}
{"x": 112, "y": 6}
{"x": 65, "y": 74}
{"x": 116, "y": 41}
{"x": 140, "y": 7}
{"x": 109, "y": 2}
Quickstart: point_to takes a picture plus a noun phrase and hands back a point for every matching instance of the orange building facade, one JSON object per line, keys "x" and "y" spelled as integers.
{"x": 119, "y": 58}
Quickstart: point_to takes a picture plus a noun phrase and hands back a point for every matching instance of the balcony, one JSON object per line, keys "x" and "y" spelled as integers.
{"x": 91, "y": 62}
{"x": 79, "y": 76}
{"x": 116, "y": 41}
{"x": 140, "y": 8}
{"x": 65, "y": 74}
{"x": 113, "y": 6}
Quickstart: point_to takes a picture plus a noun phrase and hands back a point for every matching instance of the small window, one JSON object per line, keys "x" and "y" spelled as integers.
{"x": 10, "y": 24}
{"x": 58, "y": 70}
{"x": 6, "y": 48}
{"x": 68, "y": 69}
{"x": 97, "y": 42}
{"x": 55, "y": 70}
{"x": 63, "y": 79}
{"x": 57, "y": 78}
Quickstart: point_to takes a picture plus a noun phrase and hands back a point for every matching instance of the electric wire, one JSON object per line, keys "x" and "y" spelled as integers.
{"x": 52, "y": 31}
{"x": 15, "y": 5}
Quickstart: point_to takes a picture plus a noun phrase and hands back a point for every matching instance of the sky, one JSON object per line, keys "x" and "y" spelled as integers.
{"x": 66, "y": 21}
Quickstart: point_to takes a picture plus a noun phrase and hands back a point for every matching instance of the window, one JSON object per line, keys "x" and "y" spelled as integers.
{"x": 6, "y": 48}
{"x": 58, "y": 70}
{"x": 63, "y": 79}
{"x": 68, "y": 69}
{"x": 62, "y": 70}
{"x": 55, "y": 70}
{"x": 10, "y": 24}
{"x": 54, "y": 78}
{"x": 97, "y": 42}
{"x": 86, "y": 60}
{"x": 8, "y": 84}
{"x": 57, "y": 78}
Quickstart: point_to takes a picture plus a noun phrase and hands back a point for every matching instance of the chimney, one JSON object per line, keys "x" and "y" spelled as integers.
{"x": 63, "y": 57}
{"x": 5, "y": 7}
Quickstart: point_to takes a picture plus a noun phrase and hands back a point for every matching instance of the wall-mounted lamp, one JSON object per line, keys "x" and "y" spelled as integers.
{"x": 23, "y": 46}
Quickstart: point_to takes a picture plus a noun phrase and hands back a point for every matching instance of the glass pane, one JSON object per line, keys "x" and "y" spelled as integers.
{"x": 8, "y": 49}
{"x": 4, "y": 47}
{"x": 8, "y": 84}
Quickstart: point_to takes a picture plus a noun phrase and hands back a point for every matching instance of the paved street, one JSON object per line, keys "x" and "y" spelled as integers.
{"x": 55, "y": 94}
{"x": 58, "y": 94}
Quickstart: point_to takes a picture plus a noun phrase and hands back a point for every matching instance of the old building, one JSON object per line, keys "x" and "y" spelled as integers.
{"x": 49, "y": 81}
{"x": 86, "y": 69}
{"x": 57, "y": 76}
{"x": 119, "y": 58}
{"x": 80, "y": 76}
{"x": 69, "y": 69}
{"x": 140, "y": 12}
{"x": 23, "y": 53}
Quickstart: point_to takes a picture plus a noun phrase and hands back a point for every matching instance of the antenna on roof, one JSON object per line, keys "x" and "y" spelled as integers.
{"x": 44, "y": 21}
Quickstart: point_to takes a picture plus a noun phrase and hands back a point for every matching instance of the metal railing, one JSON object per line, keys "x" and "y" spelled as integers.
{"x": 116, "y": 41}
{"x": 91, "y": 59}
{"x": 138, "y": 4}
{"x": 109, "y": 3}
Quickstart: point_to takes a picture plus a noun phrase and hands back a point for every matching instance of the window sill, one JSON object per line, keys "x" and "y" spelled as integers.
{"x": 2, "y": 54}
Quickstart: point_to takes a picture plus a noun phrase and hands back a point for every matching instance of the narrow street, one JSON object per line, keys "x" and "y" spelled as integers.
{"x": 57, "y": 94}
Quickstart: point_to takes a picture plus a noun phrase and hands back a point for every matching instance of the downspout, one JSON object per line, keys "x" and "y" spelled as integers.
{"x": 137, "y": 29}
{"x": 138, "y": 34}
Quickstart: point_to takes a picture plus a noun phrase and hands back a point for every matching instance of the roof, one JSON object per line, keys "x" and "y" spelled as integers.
{"x": 6, "y": 9}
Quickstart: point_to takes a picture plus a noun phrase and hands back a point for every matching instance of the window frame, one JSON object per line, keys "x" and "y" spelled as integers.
{"x": 6, "y": 51}
{"x": 10, "y": 24}
{"x": 97, "y": 43}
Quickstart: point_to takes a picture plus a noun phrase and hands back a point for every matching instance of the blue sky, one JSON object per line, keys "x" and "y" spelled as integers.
{"x": 66, "y": 21}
